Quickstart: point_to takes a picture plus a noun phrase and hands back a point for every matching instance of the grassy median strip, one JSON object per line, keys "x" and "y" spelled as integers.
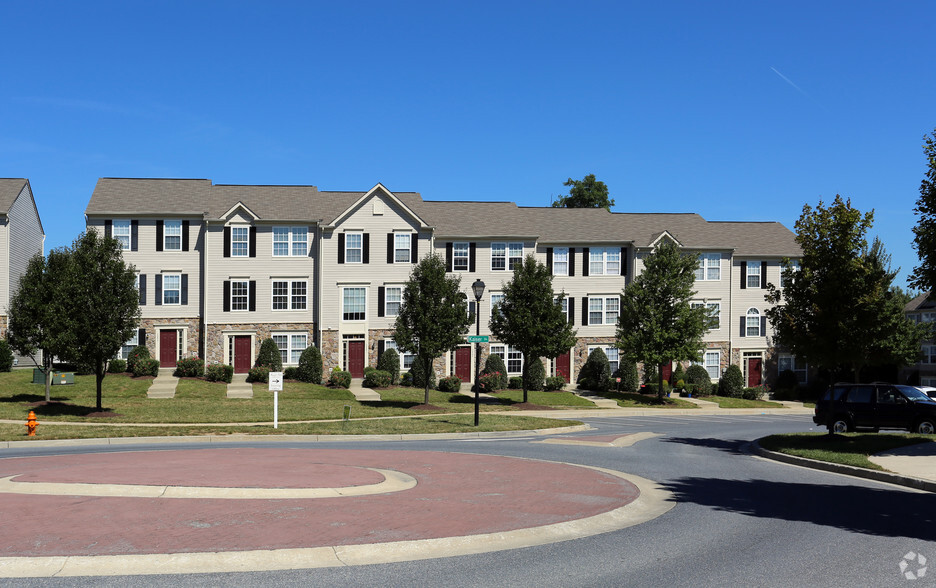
{"x": 849, "y": 448}
{"x": 631, "y": 400}
{"x": 729, "y": 402}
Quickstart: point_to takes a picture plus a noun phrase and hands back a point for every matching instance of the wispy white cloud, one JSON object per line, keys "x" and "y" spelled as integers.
{"x": 789, "y": 81}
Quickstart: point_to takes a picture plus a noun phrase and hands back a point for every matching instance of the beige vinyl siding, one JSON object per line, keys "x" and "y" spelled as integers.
{"x": 5, "y": 277}
{"x": 744, "y": 299}
{"x": 717, "y": 291}
{"x": 25, "y": 240}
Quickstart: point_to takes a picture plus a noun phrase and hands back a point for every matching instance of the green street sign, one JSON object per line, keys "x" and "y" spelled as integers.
{"x": 478, "y": 338}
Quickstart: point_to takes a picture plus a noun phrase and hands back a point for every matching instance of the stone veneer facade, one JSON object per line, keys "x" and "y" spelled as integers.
{"x": 214, "y": 347}
{"x": 192, "y": 338}
{"x": 3, "y": 326}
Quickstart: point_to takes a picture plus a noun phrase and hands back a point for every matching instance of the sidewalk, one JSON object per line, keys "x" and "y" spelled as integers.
{"x": 239, "y": 388}
{"x": 164, "y": 385}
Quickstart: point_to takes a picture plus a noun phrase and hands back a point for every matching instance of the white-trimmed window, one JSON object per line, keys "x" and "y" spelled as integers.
{"x": 172, "y": 235}
{"x": 712, "y": 361}
{"x": 127, "y": 347}
{"x": 505, "y": 256}
{"x": 291, "y": 346}
{"x": 290, "y": 241}
{"x": 752, "y": 324}
{"x": 714, "y": 318}
{"x": 393, "y": 300}
{"x": 796, "y": 365}
{"x": 401, "y": 247}
{"x": 794, "y": 267}
{"x": 240, "y": 241}
{"x": 240, "y": 294}
{"x": 564, "y": 304}
{"x": 172, "y": 289}
{"x": 603, "y": 310}
{"x": 754, "y": 274}
{"x": 460, "y": 253}
{"x": 928, "y": 382}
{"x": 514, "y": 255}
{"x": 121, "y": 231}
{"x": 290, "y": 295}
{"x": 354, "y": 304}
{"x": 496, "y": 298}
{"x": 604, "y": 261}
{"x": 929, "y": 354}
{"x": 612, "y": 353}
{"x": 927, "y": 317}
{"x": 560, "y": 261}
{"x": 709, "y": 268}
{"x": 512, "y": 357}
{"x": 354, "y": 247}
{"x": 406, "y": 358}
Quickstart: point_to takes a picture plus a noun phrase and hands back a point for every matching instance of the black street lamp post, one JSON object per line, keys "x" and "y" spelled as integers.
{"x": 478, "y": 289}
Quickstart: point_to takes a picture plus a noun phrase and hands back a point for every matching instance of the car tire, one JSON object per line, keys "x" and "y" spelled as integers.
{"x": 925, "y": 427}
{"x": 841, "y": 425}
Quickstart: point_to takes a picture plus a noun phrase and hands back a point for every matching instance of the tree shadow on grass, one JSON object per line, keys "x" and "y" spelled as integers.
{"x": 29, "y": 398}
{"x": 734, "y": 446}
{"x": 871, "y": 511}
{"x": 47, "y": 409}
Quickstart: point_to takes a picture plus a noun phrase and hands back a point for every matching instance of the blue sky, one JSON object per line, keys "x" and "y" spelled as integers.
{"x": 735, "y": 110}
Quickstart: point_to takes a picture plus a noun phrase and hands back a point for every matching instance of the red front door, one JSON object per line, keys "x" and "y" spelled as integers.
{"x": 563, "y": 366}
{"x": 463, "y": 363}
{"x": 667, "y": 372}
{"x": 242, "y": 359}
{"x": 168, "y": 348}
{"x": 753, "y": 372}
{"x": 356, "y": 358}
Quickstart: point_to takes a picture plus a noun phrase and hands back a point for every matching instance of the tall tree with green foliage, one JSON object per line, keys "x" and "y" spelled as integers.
{"x": 658, "y": 324}
{"x": 39, "y": 322}
{"x": 839, "y": 308}
{"x": 585, "y": 193}
{"x": 100, "y": 295}
{"x": 530, "y": 317}
{"x": 434, "y": 316}
{"x": 924, "y": 239}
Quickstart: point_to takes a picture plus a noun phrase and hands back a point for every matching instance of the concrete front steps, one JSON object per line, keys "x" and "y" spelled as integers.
{"x": 239, "y": 387}
{"x": 164, "y": 385}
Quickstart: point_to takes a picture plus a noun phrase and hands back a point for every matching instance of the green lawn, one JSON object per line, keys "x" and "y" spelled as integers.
{"x": 849, "y": 448}
{"x": 727, "y": 402}
{"x": 632, "y": 400}
{"x": 557, "y": 399}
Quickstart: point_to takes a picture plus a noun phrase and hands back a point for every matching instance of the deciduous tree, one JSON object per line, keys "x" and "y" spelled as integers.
{"x": 585, "y": 193}
{"x": 530, "y": 317}
{"x": 924, "y": 240}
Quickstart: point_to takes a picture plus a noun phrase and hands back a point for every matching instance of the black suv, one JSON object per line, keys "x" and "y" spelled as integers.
{"x": 876, "y": 406}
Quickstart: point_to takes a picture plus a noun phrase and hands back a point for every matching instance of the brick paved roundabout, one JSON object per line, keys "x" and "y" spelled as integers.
{"x": 239, "y": 509}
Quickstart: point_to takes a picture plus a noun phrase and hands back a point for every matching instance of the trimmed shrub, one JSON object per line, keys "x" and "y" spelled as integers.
{"x": 6, "y": 356}
{"x": 698, "y": 381}
{"x": 678, "y": 374}
{"x": 596, "y": 373}
{"x": 219, "y": 372}
{"x": 406, "y": 380}
{"x": 494, "y": 364}
{"x": 389, "y": 362}
{"x": 652, "y": 388}
{"x": 146, "y": 366}
{"x": 450, "y": 384}
{"x": 259, "y": 374}
{"x": 368, "y": 369}
{"x": 488, "y": 382}
{"x": 627, "y": 371}
{"x": 339, "y": 378}
{"x": 291, "y": 373}
{"x": 554, "y": 383}
{"x": 191, "y": 367}
{"x": 310, "y": 365}
{"x": 136, "y": 354}
{"x": 786, "y": 385}
{"x": 731, "y": 383}
{"x": 376, "y": 379}
{"x": 754, "y": 393}
{"x": 419, "y": 376}
{"x": 536, "y": 375}
{"x": 515, "y": 383}
{"x": 116, "y": 366}
{"x": 269, "y": 356}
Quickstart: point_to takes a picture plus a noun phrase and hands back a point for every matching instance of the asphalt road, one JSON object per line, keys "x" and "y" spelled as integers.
{"x": 739, "y": 521}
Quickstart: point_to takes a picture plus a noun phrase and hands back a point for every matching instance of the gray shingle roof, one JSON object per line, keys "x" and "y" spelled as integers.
{"x": 10, "y": 188}
{"x": 921, "y": 302}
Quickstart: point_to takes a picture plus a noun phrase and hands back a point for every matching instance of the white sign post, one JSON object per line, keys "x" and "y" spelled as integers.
{"x": 276, "y": 385}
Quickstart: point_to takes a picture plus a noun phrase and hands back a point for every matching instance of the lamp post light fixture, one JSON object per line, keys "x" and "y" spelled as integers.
{"x": 478, "y": 289}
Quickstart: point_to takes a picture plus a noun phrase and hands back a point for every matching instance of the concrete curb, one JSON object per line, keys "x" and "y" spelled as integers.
{"x": 890, "y": 478}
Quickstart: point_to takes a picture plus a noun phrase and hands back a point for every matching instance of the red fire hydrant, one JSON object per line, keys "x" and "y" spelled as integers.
{"x": 31, "y": 424}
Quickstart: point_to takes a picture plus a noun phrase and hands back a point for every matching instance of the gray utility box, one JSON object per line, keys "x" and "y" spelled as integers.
{"x": 58, "y": 378}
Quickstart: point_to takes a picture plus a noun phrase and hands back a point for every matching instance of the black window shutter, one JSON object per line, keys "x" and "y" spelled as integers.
{"x": 185, "y": 237}
{"x": 390, "y": 251}
{"x": 381, "y": 292}
{"x": 571, "y": 261}
{"x": 743, "y": 275}
{"x": 340, "y": 247}
{"x": 471, "y": 257}
{"x": 252, "y": 296}
{"x": 227, "y": 296}
{"x": 142, "y": 289}
{"x": 159, "y": 235}
{"x": 623, "y": 261}
{"x": 134, "y": 235}
{"x": 763, "y": 274}
{"x": 549, "y": 251}
{"x": 584, "y": 311}
{"x": 158, "y": 300}
{"x": 141, "y": 336}
{"x": 108, "y": 228}
{"x": 585, "y": 262}
{"x": 415, "y": 246}
{"x": 365, "y": 255}
{"x": 571, "y": 317}
{"x": 472, "y": 308}
{"x": 183, "y": 297}
{"x": 227, "y": 241}
{"x": 743, "y": 325}
{"x": 763, "y": 326}
{"x": 252, "y": 244}
{"x": 381, "y": 345}
{"x": 448, "y": 257}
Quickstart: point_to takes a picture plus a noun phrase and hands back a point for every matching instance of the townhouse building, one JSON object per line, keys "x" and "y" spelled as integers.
{"x": 21, "y": 238}
{"x": 922, "y": 309}
{"x": 232, "y": 265}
